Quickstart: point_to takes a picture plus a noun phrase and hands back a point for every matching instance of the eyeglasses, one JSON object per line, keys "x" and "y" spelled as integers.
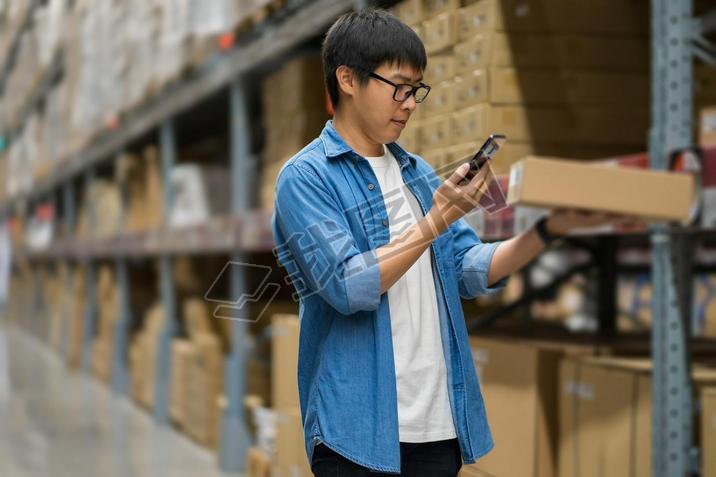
{"x": 403, "y": 91}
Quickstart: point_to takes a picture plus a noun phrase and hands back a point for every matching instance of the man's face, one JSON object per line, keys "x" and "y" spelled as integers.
{"x": 383, "y": 118}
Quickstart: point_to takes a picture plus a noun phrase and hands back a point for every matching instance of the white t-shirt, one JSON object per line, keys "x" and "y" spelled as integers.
{"x": 424, "y": 413}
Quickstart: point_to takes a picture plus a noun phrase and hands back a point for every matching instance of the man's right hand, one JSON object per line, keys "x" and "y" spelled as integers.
{"x": 453, "y": 200}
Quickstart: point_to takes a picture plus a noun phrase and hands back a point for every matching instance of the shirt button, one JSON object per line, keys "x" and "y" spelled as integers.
{"x": 371, "y": 187}
{"x": 385, "y": 222}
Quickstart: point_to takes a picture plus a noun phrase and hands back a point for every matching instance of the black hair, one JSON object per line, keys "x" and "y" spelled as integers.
{"x": 364, "y": 40}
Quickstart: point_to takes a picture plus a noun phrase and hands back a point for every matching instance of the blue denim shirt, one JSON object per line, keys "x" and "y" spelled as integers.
{"x": 329, "y": 218}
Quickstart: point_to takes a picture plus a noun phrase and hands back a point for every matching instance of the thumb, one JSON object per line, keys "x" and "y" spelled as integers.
{"x": 459, "y": 173}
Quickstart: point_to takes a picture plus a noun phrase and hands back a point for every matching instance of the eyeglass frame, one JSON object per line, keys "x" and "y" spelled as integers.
{"x": 414, "y": 89}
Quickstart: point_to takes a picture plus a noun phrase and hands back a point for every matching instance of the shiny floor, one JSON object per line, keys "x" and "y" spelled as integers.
{"x": 56, "y": 423}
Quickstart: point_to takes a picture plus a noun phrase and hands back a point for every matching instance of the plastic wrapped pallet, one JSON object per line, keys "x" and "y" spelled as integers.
{"x": 200, "y": 193}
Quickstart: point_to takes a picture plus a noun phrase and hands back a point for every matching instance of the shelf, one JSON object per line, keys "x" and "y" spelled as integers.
{"x": 218, "y": 72}
{"x": 15, "y": 43}
{"x": 249, "y": 233}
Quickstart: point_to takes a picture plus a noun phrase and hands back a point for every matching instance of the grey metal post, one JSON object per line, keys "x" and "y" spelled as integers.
{"x": 167, "y": 141}
{"x": 671, "y": 130}
{"x": 235, "y": 439}
{"x": 120, "y": 346}
{"x": 90, "y": 314}
{"x": 68, "y": 205}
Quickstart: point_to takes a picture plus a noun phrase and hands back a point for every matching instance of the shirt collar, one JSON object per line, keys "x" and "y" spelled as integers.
{"x": 335, "y": 146}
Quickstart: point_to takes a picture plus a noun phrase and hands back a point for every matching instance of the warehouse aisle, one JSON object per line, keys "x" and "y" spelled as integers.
{"x": 62, "y": 424}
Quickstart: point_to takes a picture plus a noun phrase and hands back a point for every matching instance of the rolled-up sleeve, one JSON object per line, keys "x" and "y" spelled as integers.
{"x": 472, "y": 261}
{"x": 318, "y": 247}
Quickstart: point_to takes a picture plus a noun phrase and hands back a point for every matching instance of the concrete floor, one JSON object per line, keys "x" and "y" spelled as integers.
{"x": 56, "y": 423}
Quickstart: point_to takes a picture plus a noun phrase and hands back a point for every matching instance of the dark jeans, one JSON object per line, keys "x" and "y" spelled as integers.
{"x": 424, "y": 459}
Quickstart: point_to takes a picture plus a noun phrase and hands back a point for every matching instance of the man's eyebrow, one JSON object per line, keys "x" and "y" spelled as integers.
{"x": 406, "y": 78}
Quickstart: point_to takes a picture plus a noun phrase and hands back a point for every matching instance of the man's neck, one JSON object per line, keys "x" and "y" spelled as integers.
{"x": 355, "y": 138}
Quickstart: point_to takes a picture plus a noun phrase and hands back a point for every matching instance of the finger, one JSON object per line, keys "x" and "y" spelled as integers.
{"x": 459, "y": 173}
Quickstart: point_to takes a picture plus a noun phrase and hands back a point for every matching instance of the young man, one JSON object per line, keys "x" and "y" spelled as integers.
{"x": 380, "y": 255}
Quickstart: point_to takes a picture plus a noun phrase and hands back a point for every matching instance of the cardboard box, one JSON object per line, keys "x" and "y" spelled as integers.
{"x": 290, "y": 459}
{"x": 410, "y": 12}
{"x": 576, "y": 16}
{"x": 284, "y": 361}
{"x": 436, "y": 157}
{"x": 440, "y": 68}
{"x": 441, "y": 99}
{"x": 471, "y": 88}
{"x": 707, "y": 127}
{"x": 433, "y": 8}
{"x": 553, "y": 125}
{"x": 605, "y": 415}
{"x": 436, "y": 132}
{"x": 708, "y": 432}
{"x": 550, "y": 51}
{"x": 258, "y": 463}
{"x": 519, "y": 384}
{"x": 566, "y": 87}
{"x": 410, "y": 137}
{"x": 551, "y": 182}
{"x": 440, "y": 33}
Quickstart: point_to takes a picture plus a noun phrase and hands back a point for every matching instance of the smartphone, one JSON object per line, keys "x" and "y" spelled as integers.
{"x": 486, "y": 152}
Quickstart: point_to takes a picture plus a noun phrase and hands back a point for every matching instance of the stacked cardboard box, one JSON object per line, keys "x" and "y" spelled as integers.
{"x": 708, "y": 432}
{"x": 558, "y": 76}
{"x": 294, "y": 112}
{"x": 143, "y": 356}
{"x": 206, "y": 382}
{"x": 108, "y": 315}
{"x": 605, "y": 415}
{"x": 518, "y": 380}
{"x": 197, "y": 375}
{"x": 76, "y": 317}
{"x": 139, "y": 180}
{"x": 290, "y": 455}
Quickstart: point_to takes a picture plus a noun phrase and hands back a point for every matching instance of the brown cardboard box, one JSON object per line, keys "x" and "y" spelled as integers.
{"x": 707, "y": 127}
{"x": 602, "y": 16}
{"x": 410, "y": 12}
{"x": 435, "y": 157}
{"x": 410, "y": 137}
{"x": 572, "y": 87}
{"x": 436, "y": 132}
{"x": 551, "y": 182}
{"x": 519, "y": 384}
{"x": 284, "y": 362}
{"x": 605, "y": 416}
{"x": 440, "y": 32}
{"x": 441, "y": 99}
{"x": 549, "y": 51}
{"x": 433, "y": 8}
{"x": 708, "y": 432}
{"x": 441, "y": 68}
{"x": 552, "y": 125}
{"x": 258, "y": 463}
{"x": 290, "y": 459}
{"x": 471, "y": 88}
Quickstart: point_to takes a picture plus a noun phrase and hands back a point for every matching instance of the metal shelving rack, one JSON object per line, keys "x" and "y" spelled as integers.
{"x": 244, "y": 231}
{"x": 676, "y": 36}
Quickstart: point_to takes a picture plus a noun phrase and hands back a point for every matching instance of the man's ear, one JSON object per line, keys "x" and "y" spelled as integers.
{"x": 346, "y": 80}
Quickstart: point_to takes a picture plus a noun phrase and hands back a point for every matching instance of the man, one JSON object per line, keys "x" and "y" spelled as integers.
{"x": 380, "y": 255}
